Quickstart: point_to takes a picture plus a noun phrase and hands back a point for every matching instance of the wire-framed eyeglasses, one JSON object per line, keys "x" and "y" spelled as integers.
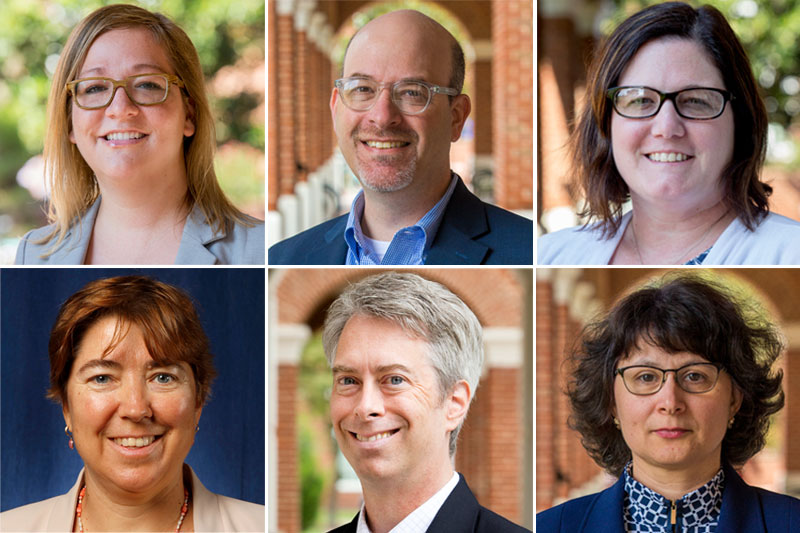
{"x": 410, "y": 97}
{"x": 694, "y": 378}
{"x": 696, "y": 103}
{"x": 142, "y": 89}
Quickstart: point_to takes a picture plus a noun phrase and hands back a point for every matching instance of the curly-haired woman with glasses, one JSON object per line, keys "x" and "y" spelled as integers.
{"x": 675, "y": 125}
{"x": 670, "y": 391}
{"x": 129, "y": 153}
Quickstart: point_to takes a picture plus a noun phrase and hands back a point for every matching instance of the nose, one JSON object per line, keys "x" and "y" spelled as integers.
{"x": 120, "y": 104}
{"x": 134, "y": 401}
{"x": 385, "y": 112}
{"x": 370, "y": 402}
{"x": 667, "y": 122}
{"x": 670, "y": 397}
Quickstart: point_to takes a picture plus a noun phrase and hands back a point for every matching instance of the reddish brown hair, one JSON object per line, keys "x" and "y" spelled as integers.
{"x": 165, "y": 314}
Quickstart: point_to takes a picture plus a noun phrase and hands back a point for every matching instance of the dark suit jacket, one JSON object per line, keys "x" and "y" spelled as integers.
{"x": 460, "y": 513}
{"x": 471, "y": 233}
{"x": 745, "y": 509}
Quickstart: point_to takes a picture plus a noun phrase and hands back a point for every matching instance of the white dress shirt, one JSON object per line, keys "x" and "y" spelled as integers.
{"x": 420, "y": 518}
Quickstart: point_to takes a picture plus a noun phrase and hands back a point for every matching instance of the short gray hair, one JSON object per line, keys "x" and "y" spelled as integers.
{"x": 424, "y": 309}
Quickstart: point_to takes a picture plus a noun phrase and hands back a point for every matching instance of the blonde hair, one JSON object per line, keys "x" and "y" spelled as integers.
{"x": 73, "y": 187}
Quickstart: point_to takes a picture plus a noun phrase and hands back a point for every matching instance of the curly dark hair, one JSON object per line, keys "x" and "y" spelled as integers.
{"x": 677, "y": 313}
{"x": 592, "y": 157}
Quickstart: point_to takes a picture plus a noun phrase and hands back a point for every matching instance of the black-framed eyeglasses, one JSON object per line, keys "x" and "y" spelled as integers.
{"x": 694, "y": 378}
{"x": 696, "y": 103}
{"x": 410, "y": 97}
{"x": 142, "y": 89}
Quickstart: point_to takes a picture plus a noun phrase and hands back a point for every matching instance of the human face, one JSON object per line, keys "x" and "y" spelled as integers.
{"x": 388, "y": 413}
{"x": 387, "y": 150}
{"x": 705, "y": 146}
{"x": 673, "y": 430}
{"x": 124, "y": 395}
{"x": 155, "y": 148}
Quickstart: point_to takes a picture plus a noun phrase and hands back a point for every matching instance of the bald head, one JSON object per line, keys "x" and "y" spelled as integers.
{"x": 409, "y": 34}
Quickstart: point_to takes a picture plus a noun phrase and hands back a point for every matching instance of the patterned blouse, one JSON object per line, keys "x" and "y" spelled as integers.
{"x": 646, "y": 511}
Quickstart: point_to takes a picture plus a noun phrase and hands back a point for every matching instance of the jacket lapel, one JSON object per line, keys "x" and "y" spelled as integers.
{"x": 197, "y": 235}
{"x": 76, "y": 242}
{"x": 333, "y": 248}
{"x": 458, "y": 513}
{"x": 605, "y": 513}
{"x": 741, "y": 506}
{"x": 463, "y": 221}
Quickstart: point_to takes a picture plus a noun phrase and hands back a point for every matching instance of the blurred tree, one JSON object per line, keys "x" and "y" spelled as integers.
{"x": 229, "y": 37}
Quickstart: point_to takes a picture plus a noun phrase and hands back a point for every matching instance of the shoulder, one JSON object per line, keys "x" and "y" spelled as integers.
{"x": 233, "y": 244}
{"x": 774, "y": 241}
{"x": 578, "y": 245}
{"x": 490, "y": 521}
{"x": 305, "y": 247}
{"x": 215, "y": 512}
{"x": 248, "y": 242}
{"x": 29, "y": 249}
{"x": 32, "y": 517}
{"x": 568, "y": 516}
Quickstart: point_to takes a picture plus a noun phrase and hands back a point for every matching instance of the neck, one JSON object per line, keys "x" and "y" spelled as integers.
{"x": 106, "y": 507}
{"x": 389, "y": 501}
{"x": 387, "y": 212}
{"x": 143, "y": 207}
{"x": 664, "y": 236}
{"x": 674, "y": 484}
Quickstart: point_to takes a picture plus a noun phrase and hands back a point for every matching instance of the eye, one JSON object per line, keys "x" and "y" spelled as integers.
{"x": 163, "y": 378}
{"x": 645, "y": 376}
{"x": 101, "y": 379}
{"x": 92, "y": 87}
{"x": 347, "y": 380}
{"x": 396, "y": 380}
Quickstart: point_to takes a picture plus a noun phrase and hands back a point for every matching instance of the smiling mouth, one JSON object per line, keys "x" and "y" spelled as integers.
{"x": 667, "y": 157}
{"x": 124, "y": 136}
{"x": 136, "y": 442}
{"x": 383, "y": 145}
{"x": 377, "y": 436}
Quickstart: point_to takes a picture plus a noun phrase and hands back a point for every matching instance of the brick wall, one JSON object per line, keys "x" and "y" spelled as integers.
{"x": 288, "y": 474}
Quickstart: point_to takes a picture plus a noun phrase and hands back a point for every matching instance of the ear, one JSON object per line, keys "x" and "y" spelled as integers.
{"x": 459, "y": 111}
{"x": 457, "y": 405}
{"x": 72, "y": 136}
{"x": 736, "y": 400}
{"x": 197, "y": 412}
{"x": 334, "y": 98}
{"x": 65, "y": 412}
{"x": 188, "y": 124}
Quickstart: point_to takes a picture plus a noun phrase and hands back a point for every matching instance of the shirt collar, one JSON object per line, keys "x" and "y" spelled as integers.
{"x": 359, "y": 251}
{"x": 420, "y": 518}
{"x": 647, "y": 510}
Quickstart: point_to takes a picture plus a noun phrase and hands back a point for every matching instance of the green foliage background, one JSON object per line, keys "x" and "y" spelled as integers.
{"x": 225, "y": 32}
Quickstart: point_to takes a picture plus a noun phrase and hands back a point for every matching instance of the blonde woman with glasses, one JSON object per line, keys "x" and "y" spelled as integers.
{"x": 129, "y": 153}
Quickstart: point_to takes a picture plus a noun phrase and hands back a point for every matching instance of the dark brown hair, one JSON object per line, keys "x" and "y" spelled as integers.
{"x": 678, "y": 313}
{"x": 593, "y": 161}
{"x": 168, "y": 320}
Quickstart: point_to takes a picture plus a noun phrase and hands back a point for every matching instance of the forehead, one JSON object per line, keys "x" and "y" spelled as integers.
{"x": 134, "y": 48}
{"x": 408, "y": 48}
{"x": 367, "y": 343}
{"x": 670, "y": 64}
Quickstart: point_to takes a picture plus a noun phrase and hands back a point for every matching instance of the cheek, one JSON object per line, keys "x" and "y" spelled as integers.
{"x": 90, "y": 411}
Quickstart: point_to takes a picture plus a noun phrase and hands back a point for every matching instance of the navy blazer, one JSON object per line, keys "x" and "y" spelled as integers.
{"x": 472, "y": 232}
{"x": 460, "y": 513}
{"x": 745, "y": 509}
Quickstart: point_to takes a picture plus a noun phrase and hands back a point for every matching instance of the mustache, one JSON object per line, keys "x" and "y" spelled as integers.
{"x": 398, "y": 134}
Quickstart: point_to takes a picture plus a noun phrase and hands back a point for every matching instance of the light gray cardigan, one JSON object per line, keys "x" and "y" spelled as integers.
{"x": 200, "y": 244}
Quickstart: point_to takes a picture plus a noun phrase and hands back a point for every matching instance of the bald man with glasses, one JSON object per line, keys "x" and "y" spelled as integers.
{"x": 396, "y": 110}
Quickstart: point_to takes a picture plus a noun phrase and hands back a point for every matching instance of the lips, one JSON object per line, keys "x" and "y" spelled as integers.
{"x": 383, "y": 145}
{"x": 373, "y": 437}
{"x": 136, "y": 442}
{"x": 123, "y": 137}
{"x": 671, "y": 433}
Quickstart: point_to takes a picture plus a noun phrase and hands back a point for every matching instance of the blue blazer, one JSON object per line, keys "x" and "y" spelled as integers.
{"x": 745, "y": 509}
{"x": 460, "y": 513}
{"x": 472, "y": 232}
{"x": 200, "y": 244}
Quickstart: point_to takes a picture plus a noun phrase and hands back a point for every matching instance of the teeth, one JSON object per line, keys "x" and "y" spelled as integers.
{"x": 124, "y": 136}
{"x": 667, "y": 157}
{"x": 392, "y": 144}
{"x": 135, "y": 442}
{"x": 374, "y": 437}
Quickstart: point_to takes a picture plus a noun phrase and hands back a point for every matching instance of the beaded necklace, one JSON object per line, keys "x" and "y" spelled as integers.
{"x": 184, "y": 509}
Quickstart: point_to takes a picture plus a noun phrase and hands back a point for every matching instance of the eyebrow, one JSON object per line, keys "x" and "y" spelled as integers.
{"x": 382, "y": 369}
{"x": 113, "y": 365}
{"x": 136, "y": 67}
{"x": 409, "y": 78}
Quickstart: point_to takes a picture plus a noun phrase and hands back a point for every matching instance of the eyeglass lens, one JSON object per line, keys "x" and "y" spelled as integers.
{"x": 641, "y": 102}
{"x": 694, "y": 378}
{"x": 360, "y": 95}
{"x": 144, "y": 90}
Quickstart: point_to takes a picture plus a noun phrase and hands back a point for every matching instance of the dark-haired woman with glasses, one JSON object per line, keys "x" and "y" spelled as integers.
{"x": 129, "y": 153}
{"x": 673, "y": 123}
{"x": 670, "y": 391}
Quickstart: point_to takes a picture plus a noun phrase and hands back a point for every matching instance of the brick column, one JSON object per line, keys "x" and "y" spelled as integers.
{"x": 302, "y": 92}
{"x": 273, "y": 132}
{"x": 545, "y": 414}
{"x": 286, "y": 98}
{"x": 512, "y": 83}
{"x": 791, "y": 387}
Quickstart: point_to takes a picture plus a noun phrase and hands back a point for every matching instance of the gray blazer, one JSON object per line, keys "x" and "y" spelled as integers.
{"x": 200, "y": 245}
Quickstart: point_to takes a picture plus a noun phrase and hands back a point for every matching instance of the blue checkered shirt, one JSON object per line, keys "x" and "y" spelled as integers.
{"x": 409, "y": 245}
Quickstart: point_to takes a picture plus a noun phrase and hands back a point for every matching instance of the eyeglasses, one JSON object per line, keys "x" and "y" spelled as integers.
{"x": 410, "y": 97}
{"x": 697, "y": 103}
{"x": 695, "y": 378}
{"x": 142, "y": 89}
